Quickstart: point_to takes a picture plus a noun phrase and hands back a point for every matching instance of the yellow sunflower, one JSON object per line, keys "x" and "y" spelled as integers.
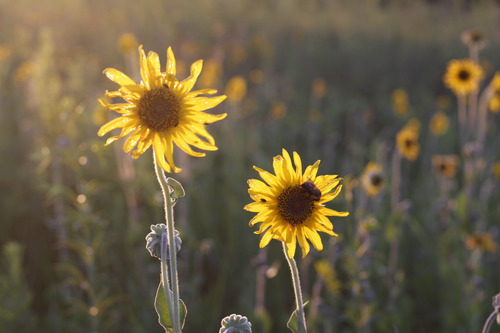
{"x": 407, "y": 141}
{"x": 161, "y": 111}
{"x": 463, "y": 76}
{"x": 445, "y": 165}
{"x": 291, "y": 205}
{"x": 372, "y": 179}
{"x": 439, "y": 123}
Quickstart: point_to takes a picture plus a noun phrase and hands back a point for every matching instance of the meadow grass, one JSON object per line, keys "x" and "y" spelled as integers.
{"x": 80, "y": 211}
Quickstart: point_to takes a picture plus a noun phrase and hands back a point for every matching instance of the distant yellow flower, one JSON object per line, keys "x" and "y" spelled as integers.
{"x": 463, "y": 76}
{"x": 495, "y": 82}
{"x": 127, "y": 43}
{"x": 372, "y": 179}
{"x": 407, "y": 141}
{"x": 327, "y": 274}
{"x": 24, "y": 72}
{"x": 445, "y": 165}
{"x": 278, "y": 110}
{"x": 319, "y": 88}
{"x": 236, "y": 89}
{"x": 494, "y": 103}
{"x": 161, "y": 111}
{"x": 439, "y": 123}
{"x": 481, "y": 241}
{"x": 291, "y": 205}
{"x": 496, "y": 170}
{"x": 400, "y": 102}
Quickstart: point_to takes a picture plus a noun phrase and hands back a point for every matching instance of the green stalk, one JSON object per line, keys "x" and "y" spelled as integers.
{"x": 164, "y": 273}
{"x": 301, "y": 318}
{"x": 169, "y": 203}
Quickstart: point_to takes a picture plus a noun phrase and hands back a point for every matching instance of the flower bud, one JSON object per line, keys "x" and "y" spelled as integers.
{"x": 153, "y": 240}
{"x": 235, "y": 324}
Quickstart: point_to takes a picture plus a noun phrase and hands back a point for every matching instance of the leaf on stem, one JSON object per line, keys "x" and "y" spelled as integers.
{"x": 176, "y": 187}
{"x": 295, "y": 324}
{"x": 161, "y": 308}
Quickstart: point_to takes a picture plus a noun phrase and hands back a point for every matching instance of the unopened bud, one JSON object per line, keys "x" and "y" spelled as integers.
{"x": 153, "y": 240}
{"x": 235, "y": 324}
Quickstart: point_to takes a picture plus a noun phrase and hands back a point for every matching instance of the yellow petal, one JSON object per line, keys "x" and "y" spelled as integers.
{"x": 144, "y": 68}
{"x": 118, "y": 77}
{"x": 291, "y": 248}
{"x": 205, "y": 118}
{"x": 171, "y": 62}
{"x": 330, "y": 212}
{"x": 113, "y": 124}
{"x": 303, "y": 243}
{"x": 266, "y": 238}
{"x": 205, "y": 103}
{"x": 314, "y": 238}
{"x": 188, "y": 83}
{"x": 185, "y": 147}
{"x": 193, "y": 94}
{"x": 298, "y": 165}
{"x": 311, "y": 171}
{"x": 269, "y": 178}
{"x": 159, "y": 151}
{"x": 154, "y": 69}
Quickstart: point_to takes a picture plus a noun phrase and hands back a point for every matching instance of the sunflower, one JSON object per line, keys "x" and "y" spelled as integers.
{"x": 445, "y": 165}
{"x": 482, "y": 241}
{"x": 439, "y": 123}
{"x": 291, "y": 205}
{"x": 161, "y": 111}
{"x": 400, "y": 102}
{"x": 372, "y": 179}
{"x": 407, "y": 141}
{"x": 463, "y": 76}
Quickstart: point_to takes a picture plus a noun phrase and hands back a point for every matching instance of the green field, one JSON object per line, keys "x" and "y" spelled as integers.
{"x": 312, "y": 76}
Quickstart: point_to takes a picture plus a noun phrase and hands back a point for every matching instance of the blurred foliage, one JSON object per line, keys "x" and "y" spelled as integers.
{"x": 312, "y": 76}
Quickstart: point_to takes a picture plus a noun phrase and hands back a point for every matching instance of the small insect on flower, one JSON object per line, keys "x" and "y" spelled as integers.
{"x": 312, "y": 191}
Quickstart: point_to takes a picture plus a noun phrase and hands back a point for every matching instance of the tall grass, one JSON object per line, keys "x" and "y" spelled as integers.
{"x": 81, "y": 223}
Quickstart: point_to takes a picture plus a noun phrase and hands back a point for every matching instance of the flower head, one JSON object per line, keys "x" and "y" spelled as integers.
{"x": 482, "y": 241}
{"x": 445, "y": 165}
{"x": 463, "y": 76}
{"x": 161, "y": 111}
{"x": 439, "y": 123}
{"x": 291, "y": 205}
{"x": 400, "y": 101}
{"x": 407, "y": 140}
{"x": 372, "y": 179}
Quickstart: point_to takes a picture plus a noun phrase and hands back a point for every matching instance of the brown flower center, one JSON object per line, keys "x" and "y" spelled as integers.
{"x": 159, "y": 109}
{"x": 295, "y": 204}
{"x": 409, "y": 143}
{"x": 377, "y": 180}
{"x": 463, "y": 75}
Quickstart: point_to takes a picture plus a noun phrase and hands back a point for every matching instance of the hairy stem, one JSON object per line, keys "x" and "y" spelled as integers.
{"x": 169, "y": 220}
{"x": 301, "y": 318}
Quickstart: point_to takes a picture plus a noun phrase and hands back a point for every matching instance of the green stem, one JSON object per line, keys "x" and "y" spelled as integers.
{"x": 164, "y": 273}
{"x": 301, "y": 318}
{"x": 169, "y": 203}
